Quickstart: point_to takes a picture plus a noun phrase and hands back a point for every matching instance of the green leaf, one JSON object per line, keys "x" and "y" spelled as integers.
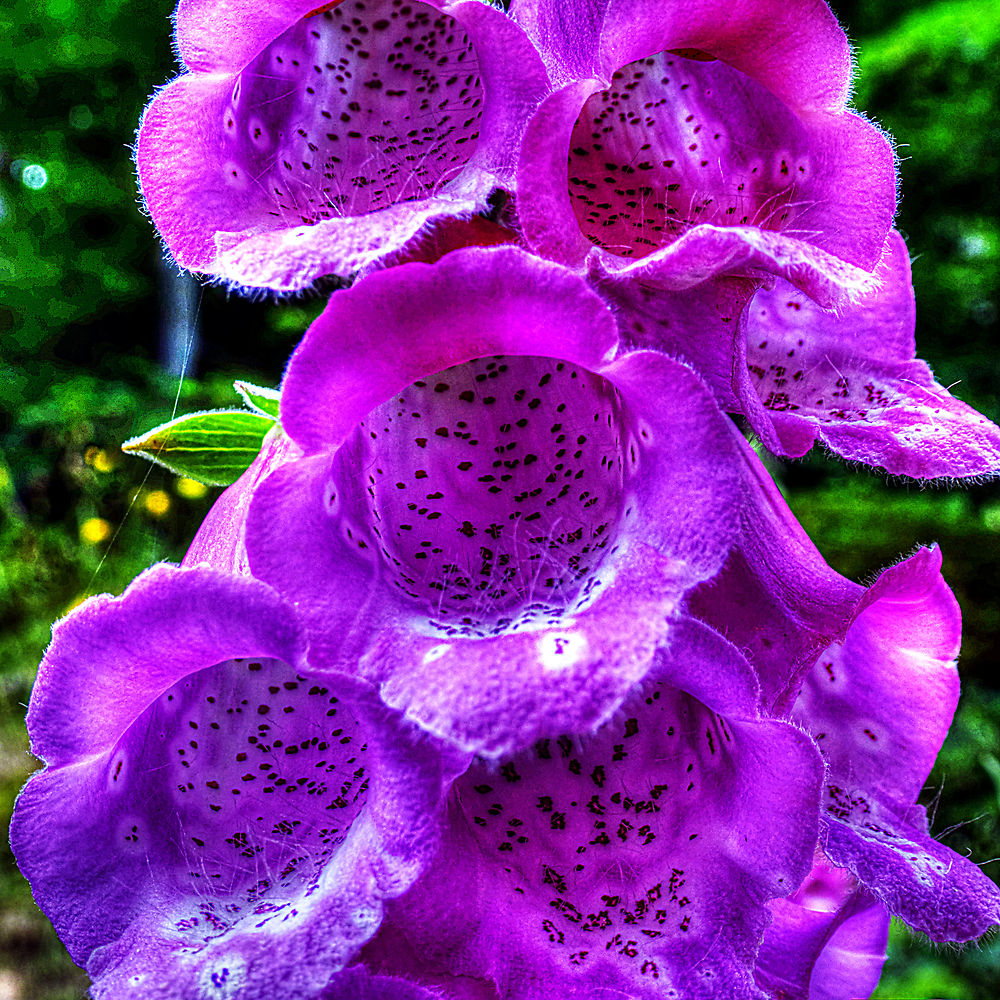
{"x": 214, "y": 446}
{"x": 258, "y": 398}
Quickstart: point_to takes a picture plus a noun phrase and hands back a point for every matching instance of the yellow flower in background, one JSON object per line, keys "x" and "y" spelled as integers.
{"x": 157, "y": 502}
{"x": 190, "y": 489}
{"x": 94, "y": 530}
{"x": 99, "y": 459}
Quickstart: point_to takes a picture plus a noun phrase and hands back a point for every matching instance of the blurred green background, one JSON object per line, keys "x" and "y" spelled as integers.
{"x": 92, "y": 323}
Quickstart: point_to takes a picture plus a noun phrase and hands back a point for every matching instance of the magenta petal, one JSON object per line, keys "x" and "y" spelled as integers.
{"x": 880, "y": 703}
{"x": 358, "y": 984}
{"x": 216, "y": 614}
{"x": 798, "y": 51}
{"x": 776, "y": 598}
{"x": 638, "y": 859}
{"x": 544, "y": 208}
{"x": 884, "y": 696}
{"x": 926, "y": 884}
{"x": 313, "y": 559}
{"x": 493, "y": 690}
{"x": 299, "y": 146}
{"x": 207, "y": 795}
{"x": 851, "y": 963}
{"x": 220, "y": 540}
{"x": 400, "y": 325}
{"x": 871, "y": 675}
{"x": 699, "y": 326}
{"x": 218, "y": 36}
{"x": 497, "y": 695}
{"x": 850, "y": 381}
{"x": 706, "y": 251}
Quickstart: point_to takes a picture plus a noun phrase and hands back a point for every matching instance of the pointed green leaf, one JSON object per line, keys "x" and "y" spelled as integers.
{"x": 214, "y": 446}
{"x": 258, "y": 398}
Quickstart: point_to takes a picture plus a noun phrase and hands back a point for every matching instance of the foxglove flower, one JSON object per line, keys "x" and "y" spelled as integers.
{"x": 494, "y": 517}
{"x": 210, "y": 799}
{"x": 637, "y": 860}
{"x": 801, "y": 374}
{"x": 302, "y": 142}
{"x": 871, "y": 675}
{"x": 686, "y": 140}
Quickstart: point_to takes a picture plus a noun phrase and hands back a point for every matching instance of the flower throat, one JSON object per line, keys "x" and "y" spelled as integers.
{"x": 494, "y": 489}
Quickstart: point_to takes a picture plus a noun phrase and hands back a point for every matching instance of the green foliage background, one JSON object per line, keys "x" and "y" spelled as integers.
{"x": 81, "y": 319}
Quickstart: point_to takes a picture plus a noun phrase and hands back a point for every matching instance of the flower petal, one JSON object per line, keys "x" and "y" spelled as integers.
{"x": 870, "y": 673}
{"x": 776, "y": 599}
{"x": 497, "y": 691}
{"x": 706, "y": 251}
{"x": 696, "y": 325}
{"x": 827, "y": 941}
{"x": 850, "y": 380}
{"x": 492, "y": 525}
{"x": 884, "y": 696}
{"x": 358, "y": 984}
{"x": 219, "y": 541}
{"x": 918, "y": 879}
{"x": 400, "y": 325}
{"x": 851, "y": 962}
{"x": 218, "y": 36}
{"x": 198, "y": 806}
{"x": 797, "y": 50}
{"x": 880, "y": 704}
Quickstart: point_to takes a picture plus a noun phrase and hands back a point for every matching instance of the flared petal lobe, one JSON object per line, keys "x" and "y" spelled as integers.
{"x": 306, "y": 143}
{"x": 871, "y": 675}
{"x": 896, "y": 672}
{"x": 850, "y": 380}
{"x": 827, "y": 941}
{"x": 504, "y": 564}
{"x": 206, "y": 796}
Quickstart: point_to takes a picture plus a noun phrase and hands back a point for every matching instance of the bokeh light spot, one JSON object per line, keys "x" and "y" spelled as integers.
{"x": 94, "y": 530}
{"x": 157, "y": 502}
{"x": 34, "y": 176}
{"x": 190, "y": 489}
